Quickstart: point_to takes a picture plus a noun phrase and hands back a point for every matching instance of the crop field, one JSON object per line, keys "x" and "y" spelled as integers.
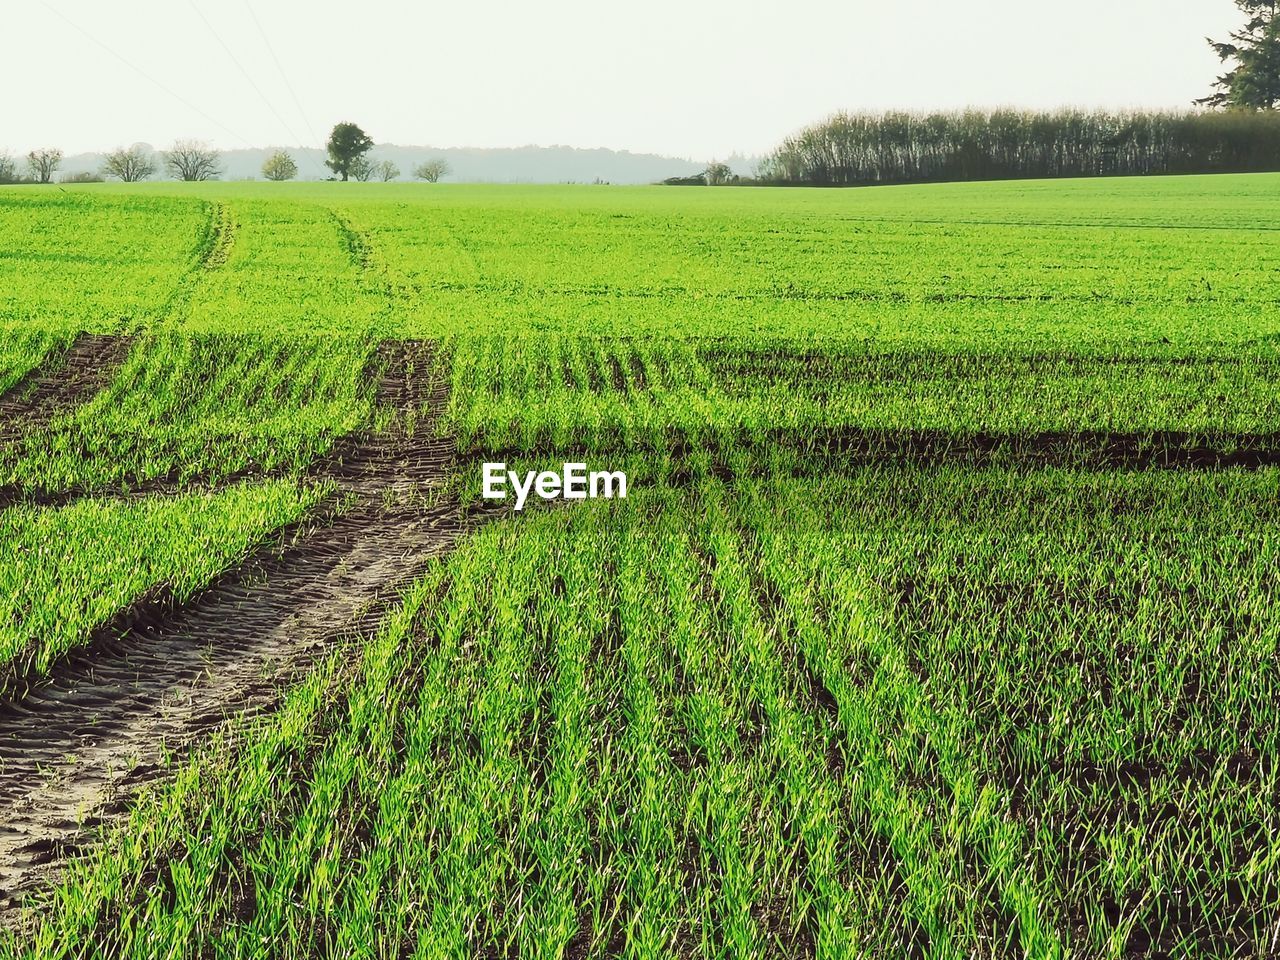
{"x": 941, "y": 618}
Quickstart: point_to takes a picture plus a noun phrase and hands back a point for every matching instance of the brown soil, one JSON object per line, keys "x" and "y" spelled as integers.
{"x": 61, "y": 382}
{"x": 826, "y": 449}
{"x": 75, "y": 745}
{"x": 412, "y": 453}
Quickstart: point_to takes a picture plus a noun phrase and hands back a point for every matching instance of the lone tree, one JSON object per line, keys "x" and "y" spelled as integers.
{"x": 193, "y": 160}
{"x": 43, "y": 162}
{"x": 432, "y": 170}
{"x": 386, "y": 171}
{"x": 347, "y": 144}
{"x": 279, "y": 166}
{"x": 130, "y": 165}
{"x": 1253, "y": 83}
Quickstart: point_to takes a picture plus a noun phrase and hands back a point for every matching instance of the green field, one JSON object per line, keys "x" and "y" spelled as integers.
{"x": 942, "y": 618}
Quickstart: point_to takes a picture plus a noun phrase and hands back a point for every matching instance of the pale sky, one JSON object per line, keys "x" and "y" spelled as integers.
{"x": 690, "y": 78}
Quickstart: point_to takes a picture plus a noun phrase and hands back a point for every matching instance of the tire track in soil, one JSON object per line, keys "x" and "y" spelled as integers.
{"x": 220, "y": 237}
{"x": 74, "y": 747}
{"x": 61, "y": 382}
{"x": 172, "y": 486}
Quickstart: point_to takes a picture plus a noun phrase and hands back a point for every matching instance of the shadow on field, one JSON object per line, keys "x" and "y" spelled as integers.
{"x": 834, "y": 447}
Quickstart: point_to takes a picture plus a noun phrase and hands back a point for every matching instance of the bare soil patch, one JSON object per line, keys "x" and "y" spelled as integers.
{"x": 61, "y": 382}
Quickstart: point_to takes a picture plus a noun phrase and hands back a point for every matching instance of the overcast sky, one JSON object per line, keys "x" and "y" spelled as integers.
{"x": 691, "y": 78}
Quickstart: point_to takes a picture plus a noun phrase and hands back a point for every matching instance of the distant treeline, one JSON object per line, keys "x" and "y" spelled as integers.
{"x": 851, "y": 149}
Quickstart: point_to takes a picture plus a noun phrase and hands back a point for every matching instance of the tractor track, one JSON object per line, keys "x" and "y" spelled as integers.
{"x": 74, "y": 746}
{"x": 60, "y": 382}
{"x": 410, "y": 455}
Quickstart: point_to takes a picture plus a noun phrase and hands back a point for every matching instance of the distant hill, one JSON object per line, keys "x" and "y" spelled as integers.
{"x": 475, "y": 164}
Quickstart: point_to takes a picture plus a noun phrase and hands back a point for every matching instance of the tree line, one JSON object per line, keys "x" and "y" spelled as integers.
{"x": 193, "y": 160}
{"x": 185, "y": 160}
{"x": 852, "y": 148}
{"x": 849, "y": 149}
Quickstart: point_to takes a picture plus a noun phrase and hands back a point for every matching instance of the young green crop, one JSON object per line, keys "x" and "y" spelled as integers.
{"x": 533, "y": 393}
{"x": 794, "y": 696}
{"x": 288, "y": 268}
{"x": 1100, "y": 267}
{"x": 188, "y": 408}
{"x": 71, "y": 260}
{"x": 65, "y": 571}
{"x": 1094, "y": 267}
{"x": 860, "y": 716}
{"x": 22, "y": 349}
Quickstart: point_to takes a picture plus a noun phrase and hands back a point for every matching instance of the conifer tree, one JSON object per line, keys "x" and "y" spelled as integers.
{"x": 1253, "y": 82}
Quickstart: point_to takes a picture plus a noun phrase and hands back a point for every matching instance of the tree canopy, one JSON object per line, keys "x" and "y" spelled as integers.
{"x": 1253, "y": 83}
{"x": 193, "y": 160}
{"x": 43, "y": 163}
{"x": 432, "y": 170}
{"x": 280, "y": 166}
{"x": 347, "y": 144}
{"x": 850, "y": 149}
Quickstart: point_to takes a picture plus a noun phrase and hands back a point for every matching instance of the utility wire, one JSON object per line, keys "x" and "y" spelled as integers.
{"x": 283, "y": 75}
{"x": 244, "y": 72}
{"x": 142, "y": 73}
{"x": 316, "y": 139}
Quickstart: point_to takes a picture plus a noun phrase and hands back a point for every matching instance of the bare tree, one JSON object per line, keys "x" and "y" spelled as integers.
{"x": 386, "y": 171}
{"x": 432, "y": 170}
{"x": 130, "y": 165}
{"x": 193, "y": 160}
{"x": 852, "y": 149}
{"x": 280, "y": 166}
{"x": 43, "y": 162}
{"x": 361, "y": 168}
{"x": 8, "y": 169}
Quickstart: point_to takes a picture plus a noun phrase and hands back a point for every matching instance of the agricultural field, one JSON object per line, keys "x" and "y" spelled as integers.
{"x": 940, "y": 619}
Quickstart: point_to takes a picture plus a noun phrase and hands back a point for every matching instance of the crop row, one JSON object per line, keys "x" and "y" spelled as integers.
{"x": 532, "y": 393}
{"x": 190, "y": 407}
{"x": 70, "y": 261}
{"x": 874, "y": 266}
{"x": 207, "y": 407}
{"x": 23, "y": 348}
{"x": 986, "y": 267}
{"x": 65, "y": 572}
{"x": 968, "y": 712}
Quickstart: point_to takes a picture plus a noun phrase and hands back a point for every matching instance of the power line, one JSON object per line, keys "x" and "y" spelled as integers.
{"x": 142, "y": 73}
{"x": 243, "y": 71}
{"x": 285, "y": 77}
